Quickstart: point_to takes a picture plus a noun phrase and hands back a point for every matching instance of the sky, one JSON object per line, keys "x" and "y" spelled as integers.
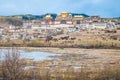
{"x": 103, "y": 8}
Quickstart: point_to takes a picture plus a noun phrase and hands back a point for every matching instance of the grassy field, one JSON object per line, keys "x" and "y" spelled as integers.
{"x": 83, "y": 39}
{"x": 109, "y": 44}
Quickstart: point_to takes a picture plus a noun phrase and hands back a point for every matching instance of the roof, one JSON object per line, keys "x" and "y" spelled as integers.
{"x": 78, "y": 16}
{"x": 48, "y": 16}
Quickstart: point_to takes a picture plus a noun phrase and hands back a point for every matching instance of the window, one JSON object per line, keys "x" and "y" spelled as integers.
{"x": 63, "y": 22}
{"x": 78, "y": 21}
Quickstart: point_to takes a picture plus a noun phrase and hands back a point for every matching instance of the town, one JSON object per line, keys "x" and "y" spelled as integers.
{"x": 64, "y": 23}
{"x": 60, "y": 40}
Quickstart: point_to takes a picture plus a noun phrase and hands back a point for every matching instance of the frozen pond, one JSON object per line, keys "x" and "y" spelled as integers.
{"x": 35, "y": 55}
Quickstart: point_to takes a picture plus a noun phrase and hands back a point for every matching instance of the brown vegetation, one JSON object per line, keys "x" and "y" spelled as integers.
{"x": 12, "y": 68}
{"x": 105, "y": 44}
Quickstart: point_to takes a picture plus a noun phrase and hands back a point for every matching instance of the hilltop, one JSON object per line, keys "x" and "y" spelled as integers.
{"x": 39, "y": 17}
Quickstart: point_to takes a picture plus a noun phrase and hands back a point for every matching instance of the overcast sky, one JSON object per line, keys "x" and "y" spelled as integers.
{"x": 104, "y": 8}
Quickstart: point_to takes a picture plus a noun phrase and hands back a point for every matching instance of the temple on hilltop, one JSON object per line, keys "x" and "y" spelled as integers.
{"x": 66, "y": 19}
{"x": 47, "y": 20}
{"x": 62, "y": 18}
{"x": 77, "y": 19}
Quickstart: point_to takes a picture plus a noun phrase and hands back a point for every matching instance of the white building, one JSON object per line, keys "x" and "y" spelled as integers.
{"x": 99, "y": 25}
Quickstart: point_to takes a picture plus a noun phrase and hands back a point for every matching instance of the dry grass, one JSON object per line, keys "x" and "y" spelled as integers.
{"x": 106, "y": 73}
{"x": 63, "y": 43}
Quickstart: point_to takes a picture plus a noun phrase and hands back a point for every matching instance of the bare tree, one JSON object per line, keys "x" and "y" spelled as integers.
{"x": 13, "y": 66}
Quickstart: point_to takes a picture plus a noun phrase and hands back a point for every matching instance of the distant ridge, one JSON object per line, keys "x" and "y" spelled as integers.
{"x": 39, "y": 17}
{"x": 84, "y": 15}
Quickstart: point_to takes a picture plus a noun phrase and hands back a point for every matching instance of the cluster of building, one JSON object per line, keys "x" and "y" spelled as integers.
{"x": 64, "y": 23}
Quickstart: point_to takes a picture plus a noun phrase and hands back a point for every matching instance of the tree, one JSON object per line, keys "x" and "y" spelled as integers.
{"x": 13, "y": 66}
{"x": 48, "y": 38}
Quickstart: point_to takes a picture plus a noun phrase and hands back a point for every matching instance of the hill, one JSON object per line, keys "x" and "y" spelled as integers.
{"x": 6, "y": 21}
{"x": 39, "y": 17}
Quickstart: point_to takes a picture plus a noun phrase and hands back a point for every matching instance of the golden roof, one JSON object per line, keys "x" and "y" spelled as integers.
{"x": 63, "y": 16}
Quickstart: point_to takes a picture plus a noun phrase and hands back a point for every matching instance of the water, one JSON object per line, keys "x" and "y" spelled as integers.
{"x": 76, "y": 67}
{"x": 35, "y": 55}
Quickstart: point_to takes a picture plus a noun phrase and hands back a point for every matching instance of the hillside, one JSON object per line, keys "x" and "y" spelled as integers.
{"x": 38, "y": 17}
{"x": 6, "y": 21}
